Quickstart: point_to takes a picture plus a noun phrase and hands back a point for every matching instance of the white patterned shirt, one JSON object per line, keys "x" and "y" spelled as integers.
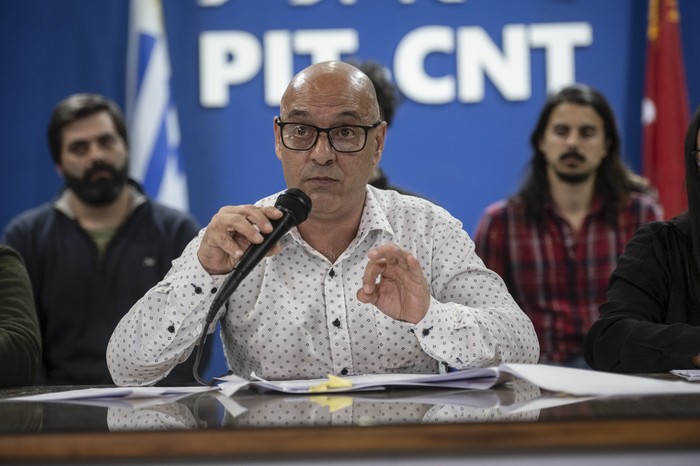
{"x": 296, "y": 314}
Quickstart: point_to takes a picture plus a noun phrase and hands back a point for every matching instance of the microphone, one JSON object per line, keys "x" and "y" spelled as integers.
{"x": 295, "y": 206}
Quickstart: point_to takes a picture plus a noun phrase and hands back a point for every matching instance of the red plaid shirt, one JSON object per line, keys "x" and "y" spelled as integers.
{"x": 557, "y": 276}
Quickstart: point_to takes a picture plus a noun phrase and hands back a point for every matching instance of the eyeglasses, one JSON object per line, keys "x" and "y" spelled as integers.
{"x": 346, "y": 138}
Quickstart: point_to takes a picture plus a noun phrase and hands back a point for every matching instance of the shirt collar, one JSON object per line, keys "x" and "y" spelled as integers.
{"x": 373, "y": 218}
{"x": 373, "y": 215}
{"x": 138, "y": 197}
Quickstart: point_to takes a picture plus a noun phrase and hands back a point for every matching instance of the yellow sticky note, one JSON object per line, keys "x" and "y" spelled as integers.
{"x": 333, "y": 382}
{"x": 338, "y": 382}
{"x": 334, "y": 403}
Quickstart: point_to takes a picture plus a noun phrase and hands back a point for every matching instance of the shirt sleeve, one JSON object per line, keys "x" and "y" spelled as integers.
{"x": 643, "y": 325}
{"x": 20, "y": 343}
{"x": 163, "y": 327}
{"x": 473, "y": 321}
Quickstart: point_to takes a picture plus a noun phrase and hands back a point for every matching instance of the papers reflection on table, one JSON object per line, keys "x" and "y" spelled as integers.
{"x": 134, "y": 397}
{"x": 482, "y": 399}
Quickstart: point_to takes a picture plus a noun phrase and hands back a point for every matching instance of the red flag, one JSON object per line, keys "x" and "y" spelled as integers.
{"x": 665, "y": 112}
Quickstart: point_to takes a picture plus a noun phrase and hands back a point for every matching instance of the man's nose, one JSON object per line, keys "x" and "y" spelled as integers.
{"x": 572, "y": 139}
{"x": 95, "y": 150}
{"x": 322, "y": 152}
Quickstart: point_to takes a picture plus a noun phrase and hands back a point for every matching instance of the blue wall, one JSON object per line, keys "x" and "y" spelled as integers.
{"x": 463, "y": 152}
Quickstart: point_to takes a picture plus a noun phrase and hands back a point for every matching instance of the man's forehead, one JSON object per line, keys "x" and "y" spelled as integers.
{"x": 91, "y": 126}
{"x": 323, "y": 113}
{"x": 329, "y": 94}
{"x": 570, "y": 113}
{"x": 94, "y": 120}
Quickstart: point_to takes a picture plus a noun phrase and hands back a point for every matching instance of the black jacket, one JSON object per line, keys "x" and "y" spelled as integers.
{"x": 650, "y": 321}
{"x": 80, "y": 301}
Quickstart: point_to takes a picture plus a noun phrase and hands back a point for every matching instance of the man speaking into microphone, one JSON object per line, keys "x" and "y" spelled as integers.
{"x": 371, "y": 282}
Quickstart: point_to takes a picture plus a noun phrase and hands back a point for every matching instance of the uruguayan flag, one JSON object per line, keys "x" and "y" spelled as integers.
{"x": 154, "y": 132}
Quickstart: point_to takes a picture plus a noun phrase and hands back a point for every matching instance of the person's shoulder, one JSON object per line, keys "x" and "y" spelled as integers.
{"x": 675, "y": 229}
{"x": 168, "y": 220}
{"x": 644, "y": 199}
{"x": 496, "y": 208}
{"x": 34, "y": 216}
{"x": 7, "y": 250}
{"x": 394, "y": 200}
{"x": 165, "y": 212}
{"x": 506, "y": 206}
{"x": 679, "y": 224}
{"x": 400, "y": 208}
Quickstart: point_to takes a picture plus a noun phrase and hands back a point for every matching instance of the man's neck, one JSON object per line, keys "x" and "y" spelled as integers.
{"x": 330, "y": 237}
{"x": 111, "y": 215}
{"x": 572, "y": 200}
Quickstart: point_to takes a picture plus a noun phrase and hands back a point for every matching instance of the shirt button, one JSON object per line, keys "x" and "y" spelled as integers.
{"x": 332, "y": 273}
{"x": 426, "y": 332}
{"x": 336, "y": 323}
{"x": 197, "y": 289}
{"x": 213, "y": 290}
{"x": 344, "y": 371}
{"x": 171, "y": 329}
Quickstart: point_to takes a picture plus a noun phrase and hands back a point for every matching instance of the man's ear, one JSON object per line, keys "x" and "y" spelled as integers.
{"x": 278, "y": 141}
{"x": 379, "y": 140}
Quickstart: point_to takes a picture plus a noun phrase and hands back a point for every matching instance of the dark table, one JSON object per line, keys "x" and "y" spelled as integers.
{"x": 427, "y": 425}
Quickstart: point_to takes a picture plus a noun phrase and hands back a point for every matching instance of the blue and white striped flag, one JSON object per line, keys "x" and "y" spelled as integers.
{"x": 154, "y": 132}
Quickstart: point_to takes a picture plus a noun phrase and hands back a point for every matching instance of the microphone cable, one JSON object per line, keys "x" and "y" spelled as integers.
{"x": 295, "y": 205}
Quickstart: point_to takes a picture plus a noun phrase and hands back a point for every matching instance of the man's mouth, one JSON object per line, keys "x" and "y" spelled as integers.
{"x": 572, "y": 157}
{"x": 321, "y": 179}
{"x": 98, "y": 175}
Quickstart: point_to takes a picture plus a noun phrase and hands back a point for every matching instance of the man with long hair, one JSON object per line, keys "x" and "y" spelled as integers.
{"x": 556, "y": 241}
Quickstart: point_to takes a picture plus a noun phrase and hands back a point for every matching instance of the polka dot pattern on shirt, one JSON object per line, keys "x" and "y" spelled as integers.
{"x": 279, "y": 322}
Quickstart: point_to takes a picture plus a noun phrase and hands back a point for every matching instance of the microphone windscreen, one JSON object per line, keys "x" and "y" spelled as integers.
{"x": 296, "y": 202}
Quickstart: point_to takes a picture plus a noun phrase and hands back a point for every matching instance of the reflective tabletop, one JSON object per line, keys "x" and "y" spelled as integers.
{"x": 516, "y": 416}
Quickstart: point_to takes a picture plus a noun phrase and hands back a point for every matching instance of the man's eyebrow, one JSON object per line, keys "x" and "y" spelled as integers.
{"x": 297, "y": 113}
{"x": 95, "y": 138}
{"x": 351, "y": 114}
{"x": 305, "y": 114}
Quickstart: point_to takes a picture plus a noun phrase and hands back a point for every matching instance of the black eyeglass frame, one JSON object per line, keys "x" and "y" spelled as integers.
{"x": 319, "y": 130}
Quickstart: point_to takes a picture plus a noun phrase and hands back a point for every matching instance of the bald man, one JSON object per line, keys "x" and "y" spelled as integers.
{"x": 372, "y": 282}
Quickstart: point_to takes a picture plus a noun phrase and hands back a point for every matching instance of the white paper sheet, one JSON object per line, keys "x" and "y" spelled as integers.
{"x": 582, "y": 382}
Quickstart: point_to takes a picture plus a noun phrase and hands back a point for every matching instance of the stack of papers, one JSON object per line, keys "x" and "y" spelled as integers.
{"x": 475, "y": 379}
{"x": 577, "y": 382}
